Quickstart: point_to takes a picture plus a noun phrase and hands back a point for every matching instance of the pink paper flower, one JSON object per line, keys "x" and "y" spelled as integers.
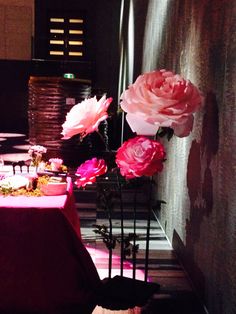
{"x": 161, "y": 99}
{"x": 89, "y": 170}
{"x": 140, "y": 156}
{"x": 85, "y": 117}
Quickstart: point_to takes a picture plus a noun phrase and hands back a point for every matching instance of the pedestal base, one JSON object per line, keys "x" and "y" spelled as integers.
{"x": 121, "y": 293}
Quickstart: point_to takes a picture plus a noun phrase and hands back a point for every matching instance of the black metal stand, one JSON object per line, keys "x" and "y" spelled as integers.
{"x": 122, "y": 228}
{"x": 119, "y": 292}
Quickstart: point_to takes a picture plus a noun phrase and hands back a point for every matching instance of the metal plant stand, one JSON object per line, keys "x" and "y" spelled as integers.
{"x": 118, "y": 288}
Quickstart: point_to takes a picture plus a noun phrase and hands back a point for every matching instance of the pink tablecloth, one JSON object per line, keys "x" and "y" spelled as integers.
{"x": 44, "y": 266}
{"x": 65, "y": 203}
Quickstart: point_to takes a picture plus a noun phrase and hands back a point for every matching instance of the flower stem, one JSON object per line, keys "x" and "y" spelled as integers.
{"x": 148, "y": 230}
{"x": 111, "y": 241}
{"x": 105, "y": 141}
{"x": 121, "y": 226}
{"x": 134, "y": 243}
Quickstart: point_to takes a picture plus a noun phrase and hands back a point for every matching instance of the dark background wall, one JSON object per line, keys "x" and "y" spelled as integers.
{"x": 14, "y": 95}
{"x": 102, "y": 32}
{"x": 101, "y": 64}
{"x": 197, "y": 40}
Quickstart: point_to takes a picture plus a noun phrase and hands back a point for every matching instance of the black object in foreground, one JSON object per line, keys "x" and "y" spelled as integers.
{"x": 121, "y": 293}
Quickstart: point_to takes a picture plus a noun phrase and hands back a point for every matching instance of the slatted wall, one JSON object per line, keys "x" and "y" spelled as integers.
{"x": 50, "y": 98}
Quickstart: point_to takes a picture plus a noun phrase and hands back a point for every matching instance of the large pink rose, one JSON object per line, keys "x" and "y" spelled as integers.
{"x": 85, "y": 117}
{"x": 161, "y": 99}
{"x": 89, "y": 170}
{"x": 140, "y": 156}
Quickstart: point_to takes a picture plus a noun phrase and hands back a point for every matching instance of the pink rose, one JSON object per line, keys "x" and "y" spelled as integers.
{"x": 89, "y": 170}
{"x": 55, "y": 163}
{"x": 85, "y": 117}
{"x": 161, "y": 99}
{"x": 140, "y": 156}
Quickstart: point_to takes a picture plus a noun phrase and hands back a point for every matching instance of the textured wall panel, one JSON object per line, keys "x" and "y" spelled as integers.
{"x": 197, "y": 39}
{"x": 2, "y": 31}
{"x": 16, "y": 26}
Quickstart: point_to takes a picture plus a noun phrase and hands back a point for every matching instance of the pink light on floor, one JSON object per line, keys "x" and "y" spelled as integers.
{"x": 10, "y": 135}
{"x": 100, "y": 259}
{"x": 15, "y": 157}
{"x": 22, "y": 147}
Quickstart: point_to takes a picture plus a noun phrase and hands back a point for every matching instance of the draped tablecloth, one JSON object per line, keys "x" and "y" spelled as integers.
{"x": 64, "y": 203}
{"x": 44, "y": 266}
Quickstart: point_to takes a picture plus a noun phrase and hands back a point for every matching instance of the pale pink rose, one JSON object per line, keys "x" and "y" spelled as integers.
{"x": 37, "y": 149}
{"x": 89, "y": 170}
{"x": 161, "y": 99}
{"x": 140, "y": 156}
{"x": 55, "y": 163}
{"x": 85, "y": 117}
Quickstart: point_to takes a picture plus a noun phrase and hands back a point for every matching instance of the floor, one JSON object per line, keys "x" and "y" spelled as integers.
{"x": 176, "y": 294}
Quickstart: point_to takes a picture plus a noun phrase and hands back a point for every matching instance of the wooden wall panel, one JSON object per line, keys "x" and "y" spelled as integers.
{"x": 18, "y": 21}
{"x": 16, "y": 26}
{"x": 2, "y": 32}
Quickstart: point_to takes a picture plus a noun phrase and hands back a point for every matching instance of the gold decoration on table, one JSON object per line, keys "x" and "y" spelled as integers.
{"x": 19, "y": 185}
{"x": 49, "y": 179}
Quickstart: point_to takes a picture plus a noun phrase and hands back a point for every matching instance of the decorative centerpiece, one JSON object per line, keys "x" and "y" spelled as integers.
{"x": 52, "y": 177}
{"x": 52, "y": 185}
{"x": 17, "y": 184}
{"x": 36, "y": 153}
{"x": 47, "y": 177}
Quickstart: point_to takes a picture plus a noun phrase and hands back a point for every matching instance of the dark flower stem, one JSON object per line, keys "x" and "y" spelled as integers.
{"x": 111, "y": 242}
{"x": 134, "y": 246}
{"x": 148, "y": 229}
{"x": 121, "y": 227}
{"x": 105, "y": 135}
{"x": 104, "y": 141}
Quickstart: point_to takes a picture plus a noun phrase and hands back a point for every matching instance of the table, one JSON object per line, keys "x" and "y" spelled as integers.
{"x": 44, "y": 266}
{"x": 64, "y": 203}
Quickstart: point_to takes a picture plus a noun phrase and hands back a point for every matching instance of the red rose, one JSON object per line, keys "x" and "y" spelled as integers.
{"x": 140, "y": 156}
{"x": 89, "y": 170}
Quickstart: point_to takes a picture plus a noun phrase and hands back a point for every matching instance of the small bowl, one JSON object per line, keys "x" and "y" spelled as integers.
{"x": 54, "y": 188}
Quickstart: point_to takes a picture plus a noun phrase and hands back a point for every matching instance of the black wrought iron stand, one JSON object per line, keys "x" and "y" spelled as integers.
{"x": 116, "y": 291}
